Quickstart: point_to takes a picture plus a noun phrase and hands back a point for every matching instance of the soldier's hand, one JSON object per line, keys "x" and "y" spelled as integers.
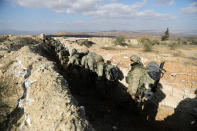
{"x": 133, "y": 97}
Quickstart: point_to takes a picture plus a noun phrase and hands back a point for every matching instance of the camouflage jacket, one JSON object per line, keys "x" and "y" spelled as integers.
{"x": 74, "y": 60}
{"x": 136, "y": 78}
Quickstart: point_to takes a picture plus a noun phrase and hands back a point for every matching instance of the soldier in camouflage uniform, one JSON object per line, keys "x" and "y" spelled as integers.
{"x": 138, "y": 80}
{"x": 63, "y": 56}
{"x": 74, "y": 58}
{"x": 95, "y": 63}
{"x": 112, "y": 72}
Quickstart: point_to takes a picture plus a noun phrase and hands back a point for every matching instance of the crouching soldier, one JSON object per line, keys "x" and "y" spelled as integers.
{"x": 74, "y": 58}
{"x": 112, "y": 72}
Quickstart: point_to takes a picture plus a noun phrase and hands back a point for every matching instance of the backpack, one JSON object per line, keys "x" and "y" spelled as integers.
{"x": 154, "y": 71}
{"x": 113, "y": 73}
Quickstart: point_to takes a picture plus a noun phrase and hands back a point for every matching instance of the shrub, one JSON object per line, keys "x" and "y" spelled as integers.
{"x": 155, "y": 42}
{"x": 144, "y": 39}
{"x": 147, "y": 43}
{"x": 147, "y": 46}
{"x": 172, "y": 45}
{"x": 87, "y": 43}
{"x": 119, "y": 40}
{"x": 194, "y": 42}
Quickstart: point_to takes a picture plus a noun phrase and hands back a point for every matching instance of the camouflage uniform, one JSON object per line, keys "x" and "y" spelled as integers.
{"x": 113, "y": 73}
{"x": 63, "y": 56}
{"x": 74, "y": 58}
{"x": 95, "y": 63}
{"x": 138, "y": 79}
{"x": 84, "y": 62}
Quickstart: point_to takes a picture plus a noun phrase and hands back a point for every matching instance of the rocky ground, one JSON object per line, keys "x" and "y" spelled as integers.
{"x": 38, "y": 94}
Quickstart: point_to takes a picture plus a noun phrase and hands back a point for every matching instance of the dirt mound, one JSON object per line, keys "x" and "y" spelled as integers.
{"x": 44, "y": 101}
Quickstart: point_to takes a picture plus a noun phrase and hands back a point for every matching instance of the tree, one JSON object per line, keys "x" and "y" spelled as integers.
{"x": 166, "y": 35}
{"x": 119, "y": 40}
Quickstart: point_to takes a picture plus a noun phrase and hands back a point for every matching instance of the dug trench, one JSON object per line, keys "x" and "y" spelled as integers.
{"x": 107, "y": 104}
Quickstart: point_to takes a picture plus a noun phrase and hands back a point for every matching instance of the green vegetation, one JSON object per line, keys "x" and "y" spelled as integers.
{"x": 166, "y": 35}
{"x": 173, "y": 45}
{"x": 119, "y": 40}
{"x": 155, "y": 42}
{"x": 146, "y": 43}
{"x": 86, "y": 43}
{"x": 147, "y": 47}
{"x": 194, "y": 41}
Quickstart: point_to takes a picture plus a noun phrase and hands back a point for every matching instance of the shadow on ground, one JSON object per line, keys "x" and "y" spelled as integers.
{"x": 108, "y": 106}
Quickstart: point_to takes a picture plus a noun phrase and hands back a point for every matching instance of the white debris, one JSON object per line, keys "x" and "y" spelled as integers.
{"x": 27, "y": 120}
{"x": 173, "y": 74}
{"x": 20, "y": 104}
{"x": 27, "y": 84}
{"x": 28, "y": 101}
{"x": 125, "y": 57}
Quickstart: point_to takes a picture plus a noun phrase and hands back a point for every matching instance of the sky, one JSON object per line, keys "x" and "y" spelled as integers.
{"x": 97, "y": 15}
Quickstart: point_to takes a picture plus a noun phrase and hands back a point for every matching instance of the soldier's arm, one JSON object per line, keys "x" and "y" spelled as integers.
{"x": 83, "y": 61}
{"x": 70, "y": 61}
{"x": 134, "y": 83}
{"x": 100, "y": 69}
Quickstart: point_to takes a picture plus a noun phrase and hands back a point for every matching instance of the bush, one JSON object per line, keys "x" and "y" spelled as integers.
{"x": 144, "y": 39}
{"x": 172, "y": 45}
{"x": 155, "y": 42}
{"x": 194, "y": 42}
{"x": 87, "y": 43}
{"x": 147, "y": 46}
{"x": 119, "y": 40}
{"x": 147, "y": 43}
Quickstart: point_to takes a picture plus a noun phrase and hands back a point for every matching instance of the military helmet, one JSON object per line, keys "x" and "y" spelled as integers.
{"x": 135, "y": 58}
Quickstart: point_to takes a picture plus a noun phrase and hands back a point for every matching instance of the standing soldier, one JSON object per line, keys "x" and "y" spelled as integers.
{"x": 138, "y": 80}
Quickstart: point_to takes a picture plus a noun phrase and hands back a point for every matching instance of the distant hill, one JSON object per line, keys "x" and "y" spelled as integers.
{"x": 111, "y": 33}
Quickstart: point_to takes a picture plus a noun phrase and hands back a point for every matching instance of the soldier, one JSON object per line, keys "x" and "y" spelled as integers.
{"x": 95, "y": 63}
{"x": 113, "y": 73}
{"x": 63, "y": 56}
{"x": 74, "y": 58}
{"x": 84, "y": 60}
{"x": 138, "y": 80}
{"x": 83, "y": 53}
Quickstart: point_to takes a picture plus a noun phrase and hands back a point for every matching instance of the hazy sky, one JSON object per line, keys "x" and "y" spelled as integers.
{"x": 97, "y": 15}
